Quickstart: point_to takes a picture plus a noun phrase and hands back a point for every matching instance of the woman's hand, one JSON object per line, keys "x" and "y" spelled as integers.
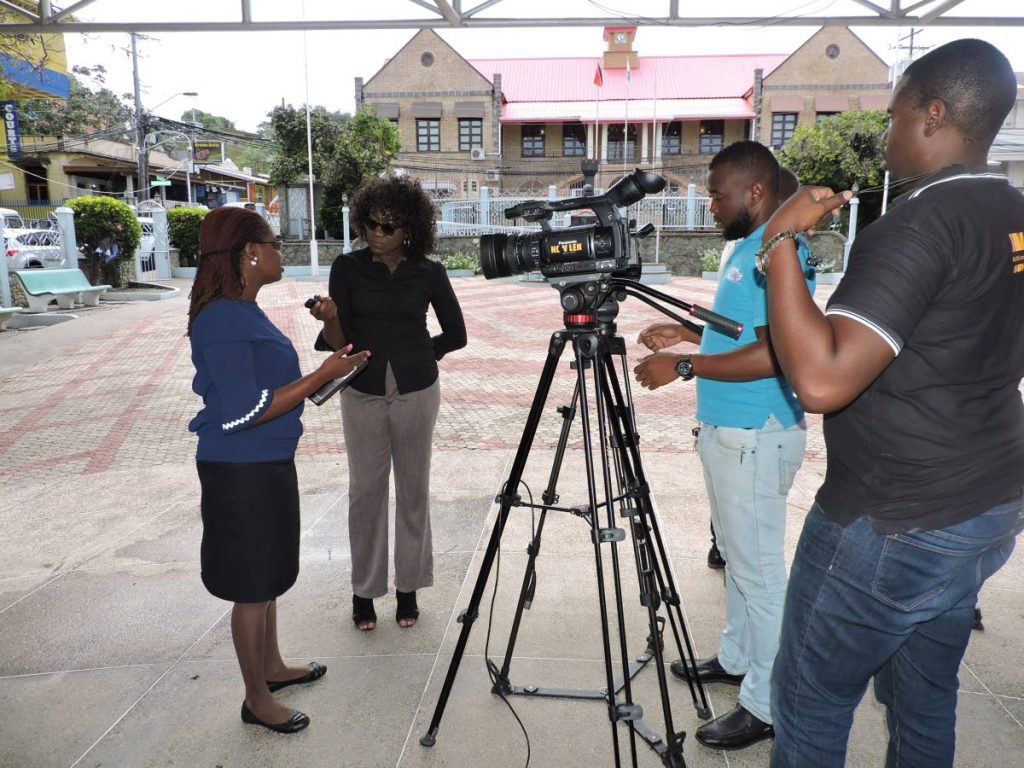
{"x": 339, "y": 364}
{"x": 663, "y": 335}
{"x": 325, "y": 310}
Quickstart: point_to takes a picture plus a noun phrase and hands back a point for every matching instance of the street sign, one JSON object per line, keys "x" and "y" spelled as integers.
{"x": 161, "y": 182}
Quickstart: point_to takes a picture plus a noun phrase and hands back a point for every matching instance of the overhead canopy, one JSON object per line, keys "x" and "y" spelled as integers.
{"x": 105, "y": 17}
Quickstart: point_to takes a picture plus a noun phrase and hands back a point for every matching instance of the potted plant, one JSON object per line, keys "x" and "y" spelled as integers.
{"x": 460, "y": 263}
{"x": 183, "y": 231}
{"x": 828, "y": 271}
{"x": 108, "y": 233}
{"x": 710, "y": 259}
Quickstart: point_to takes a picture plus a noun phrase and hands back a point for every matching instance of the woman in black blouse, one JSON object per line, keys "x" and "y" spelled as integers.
{"x": 378, "y": 302}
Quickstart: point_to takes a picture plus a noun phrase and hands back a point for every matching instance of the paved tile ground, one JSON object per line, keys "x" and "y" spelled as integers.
{"x": 112, "y": 654}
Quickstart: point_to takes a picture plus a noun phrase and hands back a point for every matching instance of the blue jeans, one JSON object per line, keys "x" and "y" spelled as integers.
{"x": 898, "y": 608}
{"x": 748, "y": 473}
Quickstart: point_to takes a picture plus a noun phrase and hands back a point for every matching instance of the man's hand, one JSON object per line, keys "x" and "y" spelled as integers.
{"x": 804, "y": 209}
{"x": 663, "y": 335}
{"x": 657, "y": 370}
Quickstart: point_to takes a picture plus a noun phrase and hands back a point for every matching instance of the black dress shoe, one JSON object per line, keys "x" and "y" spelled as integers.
{"x": 293, "y": 724}
{"x": 708, "y": 670}
{"x": 735, "y": 730}
{"x": 316, "y": 671}
{"x": 715, "y": 559}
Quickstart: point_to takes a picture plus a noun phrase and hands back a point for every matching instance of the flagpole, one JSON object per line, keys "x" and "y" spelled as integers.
{"x": 598, "y": 82}
{"x": 625, "y": 137}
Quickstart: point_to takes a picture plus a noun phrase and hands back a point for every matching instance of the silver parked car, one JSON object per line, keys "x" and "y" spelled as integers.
{"x": 29, "y": 247}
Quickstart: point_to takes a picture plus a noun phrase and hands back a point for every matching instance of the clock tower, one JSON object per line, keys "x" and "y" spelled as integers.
{"x": 620, "y": 48}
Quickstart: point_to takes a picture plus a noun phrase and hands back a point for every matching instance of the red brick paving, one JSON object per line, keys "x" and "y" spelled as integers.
{"x": 124, "y": 399}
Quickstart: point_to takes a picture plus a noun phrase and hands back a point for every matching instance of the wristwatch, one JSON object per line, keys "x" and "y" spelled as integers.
{"x": 685, "y": 368}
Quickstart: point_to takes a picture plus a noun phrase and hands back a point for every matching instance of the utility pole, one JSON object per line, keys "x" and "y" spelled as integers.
{"x": 140, "y": 129}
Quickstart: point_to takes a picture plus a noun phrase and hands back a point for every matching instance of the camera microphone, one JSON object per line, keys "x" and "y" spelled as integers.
{"x": 328, "y": 390}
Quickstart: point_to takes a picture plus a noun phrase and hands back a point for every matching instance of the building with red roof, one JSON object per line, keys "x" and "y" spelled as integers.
{"x": 523, "y": 124}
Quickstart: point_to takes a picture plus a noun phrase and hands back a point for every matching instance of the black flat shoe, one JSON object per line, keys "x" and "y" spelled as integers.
{"x": 708, "y": 670}
{"x": 293, "y": 724}
{"x": 316, "y": 671}
{"x": 734, "y": 730}
{"x": 715, "y": 559}
{"x": 406, "y": 610}
{"x": 363, "y": 615}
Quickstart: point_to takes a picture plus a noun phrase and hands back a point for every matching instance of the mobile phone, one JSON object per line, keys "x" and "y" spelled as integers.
{"x": 332, "y": 387}
{"x": 310, "y": 303}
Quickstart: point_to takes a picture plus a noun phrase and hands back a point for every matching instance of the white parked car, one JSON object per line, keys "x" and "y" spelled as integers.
{"x": 29, "y": 247}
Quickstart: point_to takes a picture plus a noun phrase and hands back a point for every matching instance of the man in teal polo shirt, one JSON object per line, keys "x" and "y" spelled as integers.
{"x": 751, "y": 442}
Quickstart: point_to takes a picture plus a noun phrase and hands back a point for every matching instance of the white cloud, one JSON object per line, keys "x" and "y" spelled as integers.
{"x": 242, "y": 76}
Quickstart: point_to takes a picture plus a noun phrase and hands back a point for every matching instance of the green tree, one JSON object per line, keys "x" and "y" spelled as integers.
{"x": 288, "y": 130}
{"x": 86, "y": 110}
{"x": 183, "y": 229}
{"x": 107, "y": 231}
{"x": 364, "y": 150}
{"x": 841, "y": 151}
{"x": 258, "y": 154}
{"x": 207, "y": 120}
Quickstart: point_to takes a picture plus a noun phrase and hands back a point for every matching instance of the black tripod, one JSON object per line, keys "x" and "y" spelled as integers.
{"x": 591, "y": 331}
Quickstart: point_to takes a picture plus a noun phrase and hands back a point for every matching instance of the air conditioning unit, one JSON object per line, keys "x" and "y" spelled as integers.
{"x": 477, "y": 153}
{"x": 492, "y": 175}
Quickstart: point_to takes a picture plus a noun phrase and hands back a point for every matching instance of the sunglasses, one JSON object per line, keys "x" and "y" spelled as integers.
{"x": 385, "y": 229}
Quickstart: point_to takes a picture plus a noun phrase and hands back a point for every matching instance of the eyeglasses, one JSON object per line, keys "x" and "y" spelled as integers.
{"x": 385, "y": 229}
{"x": 277, "y": 242}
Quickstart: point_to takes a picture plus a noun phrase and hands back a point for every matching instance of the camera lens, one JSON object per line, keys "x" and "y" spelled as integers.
{"x": 492, "y": 256}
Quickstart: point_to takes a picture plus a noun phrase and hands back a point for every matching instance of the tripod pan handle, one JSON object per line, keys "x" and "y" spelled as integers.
{"x": 724, "y": 324}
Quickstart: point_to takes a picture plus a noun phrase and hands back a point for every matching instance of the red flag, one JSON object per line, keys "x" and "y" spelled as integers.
{"x": 599, "y": 77}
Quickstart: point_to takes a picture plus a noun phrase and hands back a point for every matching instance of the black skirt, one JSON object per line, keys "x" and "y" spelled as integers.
{"x": 250, "y": 549}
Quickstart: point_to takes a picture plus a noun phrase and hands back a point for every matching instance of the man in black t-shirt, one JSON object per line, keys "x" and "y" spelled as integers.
{"x": 917, "y": 362}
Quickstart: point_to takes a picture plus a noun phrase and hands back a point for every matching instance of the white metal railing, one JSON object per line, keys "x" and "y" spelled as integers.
{"x": 474, "y": 216}
{"x": 467, "y": 229}
{"x": 274, "y": 220}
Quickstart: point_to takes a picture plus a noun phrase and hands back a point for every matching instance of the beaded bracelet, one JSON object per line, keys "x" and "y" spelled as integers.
{"x": 761, "y": 257}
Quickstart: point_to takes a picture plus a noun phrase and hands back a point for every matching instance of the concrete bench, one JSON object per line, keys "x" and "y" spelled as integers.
{"x": 65, "y": 286}
{"x": 6, "y": 313}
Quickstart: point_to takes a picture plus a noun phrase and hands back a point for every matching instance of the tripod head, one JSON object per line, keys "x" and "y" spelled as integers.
{"x": 593, "y": 302}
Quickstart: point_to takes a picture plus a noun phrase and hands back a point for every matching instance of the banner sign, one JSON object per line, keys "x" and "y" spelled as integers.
{"x": 208, "y": 151}
{"x": 11, "y": 131}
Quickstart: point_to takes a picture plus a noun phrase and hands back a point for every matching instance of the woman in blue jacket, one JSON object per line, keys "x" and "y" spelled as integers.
{"x": 247, "y": 373}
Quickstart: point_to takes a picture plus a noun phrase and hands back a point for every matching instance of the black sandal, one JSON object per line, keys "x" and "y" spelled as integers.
{"x": 363, "y": 613}
{"x": 406, "y": 610}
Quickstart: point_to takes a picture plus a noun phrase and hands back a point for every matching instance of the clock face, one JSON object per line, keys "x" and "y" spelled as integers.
{"x": 620, "y": 37}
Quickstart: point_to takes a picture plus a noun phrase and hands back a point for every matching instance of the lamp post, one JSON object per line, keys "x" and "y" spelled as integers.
{"x": 174, "y": 96}
{"x": 141, "y": 124}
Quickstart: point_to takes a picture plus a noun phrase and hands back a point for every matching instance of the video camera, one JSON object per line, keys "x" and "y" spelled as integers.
{"x": 604, "y": 248}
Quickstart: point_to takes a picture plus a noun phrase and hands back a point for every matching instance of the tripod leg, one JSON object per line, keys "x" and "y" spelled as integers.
{"x": 550, "y": 497}
{"x": 506, "y": 499}
{"x": 659, "y": 556}
{"x": 587, "y": 347}
{"x": 639, "y": 510}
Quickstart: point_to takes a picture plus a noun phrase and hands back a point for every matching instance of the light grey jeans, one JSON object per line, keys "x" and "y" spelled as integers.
{"x": 748, "y": 473}
{"x": 381, "y": 430}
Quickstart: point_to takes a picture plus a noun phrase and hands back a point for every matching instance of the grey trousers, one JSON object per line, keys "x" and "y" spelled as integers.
{"x": 381, "y": 431}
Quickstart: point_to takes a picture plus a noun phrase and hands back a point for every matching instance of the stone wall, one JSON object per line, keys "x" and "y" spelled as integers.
{"x": 681, "y": 251}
